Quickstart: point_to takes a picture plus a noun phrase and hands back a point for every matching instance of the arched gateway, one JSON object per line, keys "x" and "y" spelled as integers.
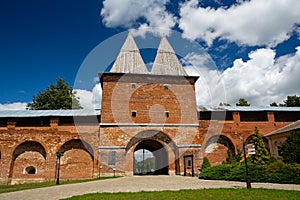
{"x": 154, "y": 152}
{"x": 150, "y": 157}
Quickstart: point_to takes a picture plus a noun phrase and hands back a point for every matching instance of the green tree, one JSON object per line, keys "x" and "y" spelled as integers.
{"x": 243, "y": 102}
{"x": 292, "y": 101}
{"x": 59, "y": 96}
{"x": 262, "y": 155}
{"x": 205, "y": 163}
{"x": 291, "y": 148}
{"x": 274, "y": 104}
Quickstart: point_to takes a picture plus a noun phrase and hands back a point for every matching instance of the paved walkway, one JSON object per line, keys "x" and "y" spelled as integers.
{"x": 134, "y": 184}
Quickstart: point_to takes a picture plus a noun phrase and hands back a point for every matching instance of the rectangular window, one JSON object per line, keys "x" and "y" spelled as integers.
{"x": 133, "y": 86}
{"x": 112, "y": 158}
{"x": 133, "y": 114}
{"x": 167, "y": 114}
{"x": 166, "y": 87}
{"x": 278, "y": 151}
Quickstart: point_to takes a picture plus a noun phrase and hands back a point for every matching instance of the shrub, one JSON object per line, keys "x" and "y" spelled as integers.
{"x": 216, "y": 172}
{"x": 279, "y": 172}
{"x": 276, "y": 172}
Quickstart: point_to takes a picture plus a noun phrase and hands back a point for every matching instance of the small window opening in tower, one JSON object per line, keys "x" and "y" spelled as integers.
{"x": 30, "y": 170}
{"x": 167, "y": 114}
{"x": 166, "y": 87}
{"x": 133, "y": 114}
{"x": 133, "y": 85}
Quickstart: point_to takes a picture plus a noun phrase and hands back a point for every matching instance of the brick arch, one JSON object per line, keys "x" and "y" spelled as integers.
{"x": 153, "y": 135}
{"x": 29, "y": 146}
{"x": 160, "y": 137}
{"x": 77, "y": 160}
{"x": 77, "y": 144}
{"x": 216, "y": 148}
{"x": 35, "y": 154}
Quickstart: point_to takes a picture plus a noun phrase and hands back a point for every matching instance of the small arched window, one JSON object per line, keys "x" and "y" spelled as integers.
{"x": 30, "y": 170}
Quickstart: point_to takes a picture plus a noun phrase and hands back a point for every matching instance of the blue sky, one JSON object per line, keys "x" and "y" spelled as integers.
{"x": 252, "y": 43}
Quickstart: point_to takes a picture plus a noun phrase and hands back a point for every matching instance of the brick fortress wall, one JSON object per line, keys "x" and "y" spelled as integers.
{"x": 23, "y": 146}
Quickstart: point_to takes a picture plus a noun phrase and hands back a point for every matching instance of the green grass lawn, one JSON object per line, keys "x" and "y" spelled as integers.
{"x": 214, "y": 194}
{"x": 26, "y": 186}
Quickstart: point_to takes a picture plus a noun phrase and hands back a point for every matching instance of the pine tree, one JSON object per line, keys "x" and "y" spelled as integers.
{"x": 262, "y": 155}
{"x": 233, "y": 159}
{"x": 205, "y": 163}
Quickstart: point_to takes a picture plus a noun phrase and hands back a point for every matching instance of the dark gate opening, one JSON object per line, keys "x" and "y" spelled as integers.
{"x": 189, "y": 165}
{"x": 150, "y": 158}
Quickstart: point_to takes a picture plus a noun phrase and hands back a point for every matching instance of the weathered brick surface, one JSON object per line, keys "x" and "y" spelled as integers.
{"x": 22, "y": 147}
{"x": 121, "y": 134}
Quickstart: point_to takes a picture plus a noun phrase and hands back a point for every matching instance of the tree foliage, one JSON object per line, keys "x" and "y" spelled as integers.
{"x": 243, "y": 102}
{"x": 291, "y": 148}
{"x": 262, "y": 155}
{"x": 291, "y": 101}
{"x": 59, "y": 96}
{"x": 274, "y": 104}
{"x": 205, "y": 163}
{"x": 232, "y": 158}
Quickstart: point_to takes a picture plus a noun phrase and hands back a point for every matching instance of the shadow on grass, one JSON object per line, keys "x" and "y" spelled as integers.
{"x": 27, "y": 186}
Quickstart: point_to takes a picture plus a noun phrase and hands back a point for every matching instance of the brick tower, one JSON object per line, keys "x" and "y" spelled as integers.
{"x": 148, "y": 119}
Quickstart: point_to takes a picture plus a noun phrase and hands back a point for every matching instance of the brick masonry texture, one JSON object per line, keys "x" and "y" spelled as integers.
{"x": 165, "y": 116}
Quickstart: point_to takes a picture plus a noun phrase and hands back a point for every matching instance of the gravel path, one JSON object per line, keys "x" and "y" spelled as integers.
{"x": 134, "y": 184}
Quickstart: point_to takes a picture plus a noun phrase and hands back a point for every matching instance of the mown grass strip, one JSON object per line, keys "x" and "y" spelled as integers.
{"x": 214, "y": 194}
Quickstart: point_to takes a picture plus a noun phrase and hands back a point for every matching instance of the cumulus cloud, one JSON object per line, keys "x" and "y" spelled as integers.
{"x": 261, "y": 80}
{"x": 13, "y": 106}
{"x": 90, "y": 99}
{"x": 255, "y": 22}
{"x": 126, "y": 13}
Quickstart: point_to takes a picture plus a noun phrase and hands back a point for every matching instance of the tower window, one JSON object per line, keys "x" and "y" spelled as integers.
{"x": 167, "y": 114}
{"x": 166, "y": 87}
{"x": 133, "y": 86}
{"x": 133, "y": 114}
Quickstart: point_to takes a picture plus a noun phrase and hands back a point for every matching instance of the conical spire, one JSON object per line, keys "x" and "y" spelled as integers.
{"x": 166, "y": 61}
{"x": 129, "y": 59}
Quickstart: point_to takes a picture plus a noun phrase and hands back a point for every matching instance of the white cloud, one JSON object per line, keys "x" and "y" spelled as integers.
{"x": 90, "y": 99}
{"x": 126, "y": 13}
{"x": 13, "y": 106}
{"x": 255, "y": 22}
{"x": 208, "y": 86}
{"x": 261, "y": 80}
{"x": 97, "y": 96}
{"x": 85, "y": 98}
